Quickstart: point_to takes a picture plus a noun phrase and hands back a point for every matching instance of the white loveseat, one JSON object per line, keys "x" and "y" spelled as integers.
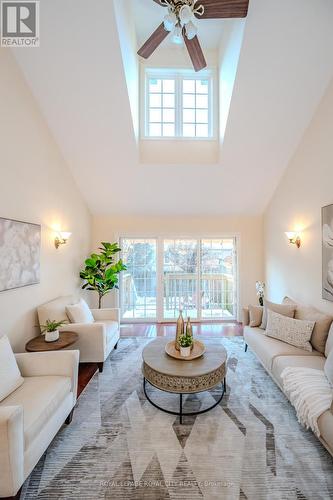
{"x": 97, "y": 339}
{"x": 32, "y": 415}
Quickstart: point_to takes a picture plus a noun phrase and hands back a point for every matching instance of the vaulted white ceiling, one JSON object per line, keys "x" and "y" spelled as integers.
{"x": 79, "y": 80}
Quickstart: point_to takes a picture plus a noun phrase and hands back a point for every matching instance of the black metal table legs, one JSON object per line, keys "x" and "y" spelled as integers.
{"x": 181, "y": 414}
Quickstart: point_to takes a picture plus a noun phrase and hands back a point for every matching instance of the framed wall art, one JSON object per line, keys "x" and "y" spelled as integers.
{"x": 19, "y": 254}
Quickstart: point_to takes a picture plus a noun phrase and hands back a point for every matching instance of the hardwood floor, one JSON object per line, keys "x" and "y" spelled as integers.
{"x": 211, "y": 329}
{"x": 151, "y": 330}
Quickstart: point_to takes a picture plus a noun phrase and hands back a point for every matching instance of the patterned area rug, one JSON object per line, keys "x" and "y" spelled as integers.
{"x": 120, "y": 447}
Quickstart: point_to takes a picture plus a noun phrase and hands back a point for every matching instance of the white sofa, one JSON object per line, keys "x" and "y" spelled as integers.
{"x": 32, "y": 415}
{"x": 96, "y": 340}
{"x": 276, "y": 355}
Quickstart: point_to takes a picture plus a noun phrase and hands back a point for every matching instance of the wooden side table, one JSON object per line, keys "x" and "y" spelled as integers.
{"x": 38, "y": 344}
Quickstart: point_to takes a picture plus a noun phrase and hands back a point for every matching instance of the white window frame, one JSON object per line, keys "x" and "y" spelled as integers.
{"x": 179, "y": 75}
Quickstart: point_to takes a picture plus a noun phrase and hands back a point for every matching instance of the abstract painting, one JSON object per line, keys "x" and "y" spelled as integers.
{"x": 327, "y": 230}
{"x": 19, "y": 254}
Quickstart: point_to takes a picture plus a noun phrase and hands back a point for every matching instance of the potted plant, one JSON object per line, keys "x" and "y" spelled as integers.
{"x": 51, "y": 330}
{"x": 101, "y": 271}
{"x": 185, "y": 342}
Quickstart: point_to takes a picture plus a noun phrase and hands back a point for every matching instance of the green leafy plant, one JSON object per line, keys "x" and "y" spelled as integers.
{"x": 101, "y": 272}
{"x": 52, "y": 326}
{"x": 186, "y": 341}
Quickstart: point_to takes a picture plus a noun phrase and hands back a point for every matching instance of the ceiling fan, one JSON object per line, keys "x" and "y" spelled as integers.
{"x": 179, "y": 20}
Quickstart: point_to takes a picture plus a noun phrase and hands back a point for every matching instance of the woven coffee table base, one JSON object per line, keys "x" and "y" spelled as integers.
{"x": 181, "y": 414}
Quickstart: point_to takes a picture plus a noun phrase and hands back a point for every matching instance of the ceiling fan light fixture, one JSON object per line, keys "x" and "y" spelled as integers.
{"x": 170, "y": 21}
{"x": 191, "y": 30}
{"x": 177, "y": 37}
{"x": 185, "y": 14}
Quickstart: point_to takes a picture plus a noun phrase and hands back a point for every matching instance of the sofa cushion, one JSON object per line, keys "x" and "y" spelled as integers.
{"x": 79, "y": 313}
{"x": 267, "y": 348}
{"x": 329, "y": 342}
{"x": 246, "y": 316}
{"x": 293, "y": 331}
{"x": 322, "y": 326}
{"x": 282, "y": 362}
{"x": 10, "y": 376}
{"x": 55, "y": 310}
{"x": 328, "y": 368}
{"x": 40, "y": 398}
{"x": 284, "y": 309}
{"x": 255, "y": 313}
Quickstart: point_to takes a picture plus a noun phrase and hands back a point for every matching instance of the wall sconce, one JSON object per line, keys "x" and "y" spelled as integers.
{"x": 294, "y": 238}
{"x": 61, "y": 239}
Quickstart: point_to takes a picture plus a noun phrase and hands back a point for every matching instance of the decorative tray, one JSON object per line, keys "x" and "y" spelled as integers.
{"x": 197, "y": 350}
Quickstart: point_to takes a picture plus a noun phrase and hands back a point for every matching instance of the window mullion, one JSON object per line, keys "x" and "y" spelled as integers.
{"x": 178, "y": 105}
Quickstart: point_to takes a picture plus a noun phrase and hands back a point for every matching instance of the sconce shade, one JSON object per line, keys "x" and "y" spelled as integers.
{"x": 64, "y": 235}
{"x": 294, "y": 238}
{"x": 61, "y": 238}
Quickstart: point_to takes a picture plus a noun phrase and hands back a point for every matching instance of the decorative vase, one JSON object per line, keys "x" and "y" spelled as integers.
{"x": 189, "y": 329}
{"x": 52, "y": 336}
{"x": 179, "y": 329}
{"x": 185, "y": 352}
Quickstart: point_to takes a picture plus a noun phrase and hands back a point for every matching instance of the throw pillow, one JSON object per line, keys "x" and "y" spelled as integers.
{"x": 255, "y": 315}
{"x": 10, "y": 376}
{"x": 328, "y": 367}
{"x": 284, "y": 309}
{"x": 292, "y": 331}
{"x": 80, "y": 313}
{"x": 322, "y": 326}
{"x": 329, "y": 343}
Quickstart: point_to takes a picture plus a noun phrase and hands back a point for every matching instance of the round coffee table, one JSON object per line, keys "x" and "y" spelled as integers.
{"x": 38, "y": 344}
{"x": 184, "y": 377}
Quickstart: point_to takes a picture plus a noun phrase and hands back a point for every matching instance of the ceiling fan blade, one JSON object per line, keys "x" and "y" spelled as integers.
{"x": 195, "y": 51}
{"x": 153, "y": 42}
{"x": 216, "y": 9}
{"x": 159, "y": 3}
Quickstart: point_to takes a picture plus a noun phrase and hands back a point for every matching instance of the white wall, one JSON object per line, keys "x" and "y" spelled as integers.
{"x": 249, "y": 230}
{"x": 306, "y": 187}
{"x": 36, "y": 186}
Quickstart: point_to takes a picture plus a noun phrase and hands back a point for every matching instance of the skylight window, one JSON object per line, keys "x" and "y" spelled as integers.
{"x": 178, "y": 104}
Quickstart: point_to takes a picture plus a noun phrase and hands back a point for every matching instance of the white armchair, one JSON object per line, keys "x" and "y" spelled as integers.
{"x": 32, "y": 415}
{"x": 96, "y": 340}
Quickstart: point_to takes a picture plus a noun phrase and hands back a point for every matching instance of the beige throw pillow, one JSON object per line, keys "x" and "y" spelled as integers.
{"x": 328, "y": 367}
{"x": 322, "y": 325}
{"x": 284, "y": 309}
{"x": 255, "y": 315}
{"x": 10, "y": 376}
{"x": 292, "y": 331}
{"x": 329, "y": 342}
{"x": 79, "y": 313}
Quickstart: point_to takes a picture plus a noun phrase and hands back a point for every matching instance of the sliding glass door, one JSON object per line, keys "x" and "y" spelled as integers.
{"x": 138, "y": 283}
{"x": 180, "y": 278}
{"x": 166, "y": 274}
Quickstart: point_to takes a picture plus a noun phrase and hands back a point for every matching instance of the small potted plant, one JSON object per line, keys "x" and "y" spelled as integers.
{"x": 51, "y": 330}
{"x": 185, "y": 342}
